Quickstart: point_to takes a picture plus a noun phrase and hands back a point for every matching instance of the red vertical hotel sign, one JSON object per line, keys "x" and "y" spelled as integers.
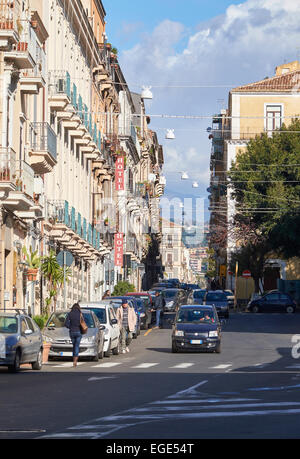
{"x": 119, "y": 249}
{"x": 120, "y": 164}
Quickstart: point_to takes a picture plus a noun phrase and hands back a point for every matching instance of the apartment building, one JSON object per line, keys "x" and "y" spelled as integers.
{"x": 61, "y": 97}
{"x": 175, "y": 255}
{"x": 260, "y": 107}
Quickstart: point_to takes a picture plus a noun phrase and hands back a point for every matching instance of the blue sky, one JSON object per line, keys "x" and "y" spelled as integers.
{"x": 223, "y": 43}
{"x": 138, "y": 17}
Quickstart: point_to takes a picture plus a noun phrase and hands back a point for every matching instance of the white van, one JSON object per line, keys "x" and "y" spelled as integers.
{"x": 107, "y": 317}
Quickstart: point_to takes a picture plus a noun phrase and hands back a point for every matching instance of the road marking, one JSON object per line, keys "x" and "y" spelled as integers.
{"x": 100, "y": 379}
{"x": 107, "y": 365}
{"x": 146, "y": 365}
{"x": 67, "y": 365}
{"x": 184, "y": 365}
{"x": 208, "y": 407}
{"x": 190, "y": 392}
{"x": 209, "y": 400}
{"x": 221, "y": 367}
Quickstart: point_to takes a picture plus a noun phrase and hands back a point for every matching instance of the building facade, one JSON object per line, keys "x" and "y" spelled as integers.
{"x": 255, "y": 108}
{"x": 67, "y": 115}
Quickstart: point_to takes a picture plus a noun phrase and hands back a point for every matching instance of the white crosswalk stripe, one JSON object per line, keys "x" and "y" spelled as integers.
{"x": 189, "y": 404}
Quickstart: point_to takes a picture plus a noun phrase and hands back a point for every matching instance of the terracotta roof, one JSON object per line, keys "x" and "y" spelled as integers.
{"x": 288, "y": 82}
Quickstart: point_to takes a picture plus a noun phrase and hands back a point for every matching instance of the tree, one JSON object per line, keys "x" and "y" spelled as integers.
{"x": 265, "y": 183}
{"x": 54, "y": 274}
{"x": 122, "y": 288}
{"x": 265, "y": 180}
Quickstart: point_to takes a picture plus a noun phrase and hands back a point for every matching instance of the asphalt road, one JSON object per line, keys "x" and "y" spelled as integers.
{"x": 250, "y": 390}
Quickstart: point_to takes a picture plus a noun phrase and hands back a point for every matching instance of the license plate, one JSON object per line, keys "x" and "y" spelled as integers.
{"x": 196, "y": 341}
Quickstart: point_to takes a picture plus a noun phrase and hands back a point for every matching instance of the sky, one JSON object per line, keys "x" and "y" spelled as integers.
{"x": 204, "y": 49}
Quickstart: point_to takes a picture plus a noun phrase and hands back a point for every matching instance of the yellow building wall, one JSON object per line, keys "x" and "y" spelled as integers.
{"x": 254, "y": 106}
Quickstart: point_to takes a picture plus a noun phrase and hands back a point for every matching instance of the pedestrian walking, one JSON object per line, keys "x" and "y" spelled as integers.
{"x": 106, "y": 295}
{"x": 74, "y": 322}
{"x": 127, "y": 322}
{"x": 158, "y": 308}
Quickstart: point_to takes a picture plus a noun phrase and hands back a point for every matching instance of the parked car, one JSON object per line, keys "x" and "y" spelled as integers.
{"x": 219, "y": 300}
{"x": 21, "y": 341}
{"x": 196, "y": 328}
{"x": 274, "y": 301}
{"x": 230, "y": 297}
{"x": 174, "y": 298}
{"x": 116, "y": 301}
{"x": 145, "y": 296}
{"x": 144, "y": 312}
{"x": 197, "y": 296}
{"x": 106, "y": 316}
{"x": 91, "y": 345}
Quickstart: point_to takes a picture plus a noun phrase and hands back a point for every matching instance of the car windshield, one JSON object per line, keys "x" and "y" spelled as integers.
{"x": 145, "y": 299}
{"x": 170, "y": 293}
{"x": 57, "y": 320}
{"x": 199, "y": 294}
{"x": 190, "y": 315}
{"x": 216, "y": 297}
{"x": 8, "y": 325}
{"x": 100, "y": 314}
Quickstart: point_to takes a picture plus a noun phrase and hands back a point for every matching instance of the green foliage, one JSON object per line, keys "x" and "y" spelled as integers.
{"x": 264, "y": 188}
{"x": 122, "y": 288}
{"x": 33, "y": 260}
{"x": 54, "y": 273}
{"x": 40, "y": 321}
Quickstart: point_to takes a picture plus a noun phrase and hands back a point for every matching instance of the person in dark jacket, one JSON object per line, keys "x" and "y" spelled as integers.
{"x": 73, "y": 324}
{"x": 158, "y": 307}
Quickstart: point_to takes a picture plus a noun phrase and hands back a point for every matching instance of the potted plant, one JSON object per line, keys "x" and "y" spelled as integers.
{"x": 33, "y": 262}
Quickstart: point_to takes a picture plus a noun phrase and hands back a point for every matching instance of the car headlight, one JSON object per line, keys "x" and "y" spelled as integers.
{"x": 213, "y": 334}
{"x": 179, "y": 333}
{"x": 88, "y": 340}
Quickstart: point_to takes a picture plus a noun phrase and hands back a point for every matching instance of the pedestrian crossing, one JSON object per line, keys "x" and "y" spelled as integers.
{"x": 138, "y": 366}
{"x": 187, "y": 405}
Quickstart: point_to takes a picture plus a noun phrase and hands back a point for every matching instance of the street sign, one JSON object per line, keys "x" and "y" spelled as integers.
{"x": 246, "y": 274}
{"x": 65, "y": 259}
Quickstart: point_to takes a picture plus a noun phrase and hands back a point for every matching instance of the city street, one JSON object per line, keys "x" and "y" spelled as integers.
{"x": 250, "y": 390}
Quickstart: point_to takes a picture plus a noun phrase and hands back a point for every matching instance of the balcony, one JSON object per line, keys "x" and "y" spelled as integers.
{"x": 32, "y": 81}
{"x": 24, "y": 54}
{"x": 9, "y": 23}
{"x": 69, "y": 228}
{"x": 7, "y": 169}
{"x": 59, "y": 90}
{"x": 17, "y": 182}
{"x": 43, "y": 148}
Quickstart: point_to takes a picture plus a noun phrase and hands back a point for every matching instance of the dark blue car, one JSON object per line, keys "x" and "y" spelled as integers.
{"x": 274, "y": 301}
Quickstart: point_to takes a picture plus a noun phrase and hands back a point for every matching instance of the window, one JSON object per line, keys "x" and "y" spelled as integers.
{"x": 169, "y": 259}
{"x": 273, "y": 118}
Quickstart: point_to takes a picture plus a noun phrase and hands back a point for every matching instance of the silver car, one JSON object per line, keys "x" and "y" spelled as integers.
{"x": 20, "y": 341}
{"x": 91, "y": 345}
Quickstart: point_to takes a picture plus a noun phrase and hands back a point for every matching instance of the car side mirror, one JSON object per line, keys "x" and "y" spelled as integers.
{"x": 28, "y": 332}
{"x": 102, "y": 327}
{"x": 114, "y": 322}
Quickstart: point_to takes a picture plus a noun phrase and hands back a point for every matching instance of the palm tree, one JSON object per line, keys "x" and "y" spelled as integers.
{"x": 54, "y": 273}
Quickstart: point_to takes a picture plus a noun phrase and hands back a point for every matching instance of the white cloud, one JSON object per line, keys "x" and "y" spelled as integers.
{"x": 242, "y": 46}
